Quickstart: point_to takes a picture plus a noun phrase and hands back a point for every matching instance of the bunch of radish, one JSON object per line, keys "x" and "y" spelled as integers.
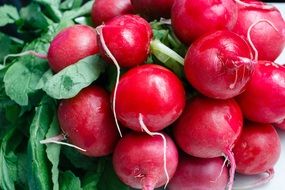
{"x": 157, "y": 131}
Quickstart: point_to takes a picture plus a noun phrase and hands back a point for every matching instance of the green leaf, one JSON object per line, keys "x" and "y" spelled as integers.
{"x": 85, "y": 20}
{"x": 38, "y": 172}
{"x": 70, "y": 4}
{"x": 79, "y": 160}
{"x": 52, "y": 8}
{"x": 69, "y": 81}
{"x": 53, "y": 152}
{"x": 8, "y": 161}
{"x": 33, "y": 18}
{"x": 11, "y": 46}
{"x": 8, "y": 15}
{"x": 68, "y": 181}
{"x": 46, "y": 76}
{"x": 109, "y": 179}
{"x": 81, "y": 11}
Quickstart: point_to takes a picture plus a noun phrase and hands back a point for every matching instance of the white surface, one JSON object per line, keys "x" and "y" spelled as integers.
{"x": 278, "y": 181}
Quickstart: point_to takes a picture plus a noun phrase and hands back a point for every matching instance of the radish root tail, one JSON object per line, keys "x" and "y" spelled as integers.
{"x": 108, "y": 52}
{"x": 230, "y": 157}
{"x": 259, "y": 182}
{"x": 30, "y": 52}
{"x": 249, "y": 36}
{"x": 58, "y": 140}
{"x": 144, "y": 127}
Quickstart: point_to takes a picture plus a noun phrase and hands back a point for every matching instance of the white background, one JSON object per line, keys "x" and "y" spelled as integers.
{"x": 278, "y": 181}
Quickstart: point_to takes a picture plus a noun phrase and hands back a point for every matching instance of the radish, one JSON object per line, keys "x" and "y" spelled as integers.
{"x": 152, "y": 91}
{"x": 264, "y": 98}
{"x": 151, "y": 10}
{"x": 139, "y": 163}
{"x": 70, "y": 45}
{"x": 104, "y": 10}
{"x": 257, "y": 150}
{"x": 199, "y": 174}
{"x": 208, "y": 128}
{"x": 87, "y": 121}
{"x": 219, "y": 64}
{"x": 127, "y": 38}
{"x": 191, "y": 19}
{"x": 268, "y": 42}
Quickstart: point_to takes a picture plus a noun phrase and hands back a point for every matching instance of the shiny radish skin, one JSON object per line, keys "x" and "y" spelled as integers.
{"x": 263, "y": 100}
{"x": 208, "y": 127}
{"x": 151, "y": 10}
{"x": 219, "y": 64}
{"x": 150, "y": 90}
{"x": 258, "y": 149}
{"x": 138, "y": 160}
{"x": 268, "y": 42}
{"x": 70, "y": 45}
{"x": 280, "y": 125}
{"x": 104, "y": 10}
{"x": 192, "y": 19}
{"x": 87, "y": 121}
{"x": 195, "y": 173}
{"x": 128, "y": 39}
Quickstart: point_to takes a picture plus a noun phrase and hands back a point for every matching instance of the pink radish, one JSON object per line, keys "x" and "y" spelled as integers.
{"x": 264, "y": 98}
{"x": 199, "y": 174}
{"x": 268, "y": 42}
{"x": 208, "y": 128}
{"x": 70, "y": 45}
{"x": 139, "y": 163}
{"x": 219, "y": 64}
{"x": 257, "y": 150}
{"x": 191, "y": 19}
{"x": 87, "y": 121}
{"x": 104, "y": 10}
{"x": 150, "y": 9}
{"x": 152, "y": 91}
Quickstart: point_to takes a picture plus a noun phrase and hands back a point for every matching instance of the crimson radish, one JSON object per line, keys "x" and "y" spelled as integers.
{"x": 152, "y": 91}
{"x": 139, "y": 163}
{"x": 257, "y": 150}
{"x": 208, "y": 128}
{"x": 264, "y": 98}
{"x": 268, "y": 42}
{"x": 104, "y": 10}
{"x": 191, "y": 19}
{"x": 199, "y": 174}
{"x": 150, "y": 9}
{"x": 219, "y": 64}
{"x": 70, "y": 45}
{"x": 88, "y": 122}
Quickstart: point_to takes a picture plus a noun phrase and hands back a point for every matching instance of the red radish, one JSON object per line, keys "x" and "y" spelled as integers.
{"x": 150, "y": 9}
{"x": 191, "y": 19}
{"x": 104, "y": 10}
{"x": 138, "y": 161}
{"x": 152, "y": 91}
{"x": 219, "y": 64}
{"x": 264, "y": 98}
{"x": 268, "y": 42}
{"x": 70, "y": 45}
{"x": 199, "y": 174}
{"x": 127, "y": 38}
{"x": 257, "y": 150}
{"x": 88, "y": 122}
{"x": 208, "y": 128}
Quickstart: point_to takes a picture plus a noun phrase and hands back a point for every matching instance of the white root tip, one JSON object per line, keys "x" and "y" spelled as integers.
{"x": 58, "y": 139}
{"x": 144, "y": 127}
{"x": 30, "y": 52}
{"x": 231, "y": 159}
{"x": 249, "y": 36}
{"x": 108, "y": 52}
